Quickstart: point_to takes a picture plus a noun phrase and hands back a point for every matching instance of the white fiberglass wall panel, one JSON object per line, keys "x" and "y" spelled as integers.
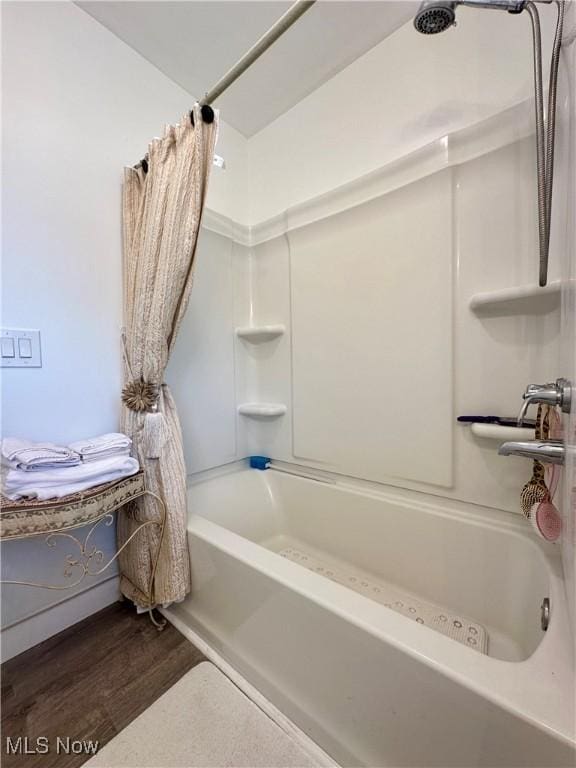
{"x": 372, "y": 336}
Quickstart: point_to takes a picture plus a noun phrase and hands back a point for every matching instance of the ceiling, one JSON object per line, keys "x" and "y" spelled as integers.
{"x": 195, "y": 42}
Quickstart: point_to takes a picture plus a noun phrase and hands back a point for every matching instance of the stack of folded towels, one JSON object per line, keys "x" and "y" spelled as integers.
{"x": 48, "y": 471}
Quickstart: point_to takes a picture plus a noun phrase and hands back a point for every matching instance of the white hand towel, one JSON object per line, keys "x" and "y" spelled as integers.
{"x": 110, "y": 444}
{"x": 108, "y": 454}
{"x": 55, "y": 483}
{"x": 28, "y": 456}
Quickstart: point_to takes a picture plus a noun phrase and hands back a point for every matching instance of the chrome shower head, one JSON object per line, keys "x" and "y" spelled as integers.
{"x": 437, "y": 15}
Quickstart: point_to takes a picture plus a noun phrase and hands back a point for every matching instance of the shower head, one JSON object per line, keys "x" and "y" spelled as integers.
{"x": 437, "y": 15}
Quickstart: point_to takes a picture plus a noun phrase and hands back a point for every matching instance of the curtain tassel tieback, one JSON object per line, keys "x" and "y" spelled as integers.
{"x": 141, "y": 396}
{"x": 154, "y": 435}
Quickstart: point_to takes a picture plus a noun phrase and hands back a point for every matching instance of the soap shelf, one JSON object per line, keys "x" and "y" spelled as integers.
{"x": 503, "y": 434}
{"x": 522, "y": 299}
{"x": 260, "y": 333}
{"x": 262, "y": 410}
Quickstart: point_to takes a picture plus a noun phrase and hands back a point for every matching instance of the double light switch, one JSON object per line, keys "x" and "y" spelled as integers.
{"x": 20, "y": 348}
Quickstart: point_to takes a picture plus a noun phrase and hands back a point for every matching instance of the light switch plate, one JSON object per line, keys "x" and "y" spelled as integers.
{"x": 26, "y": 348}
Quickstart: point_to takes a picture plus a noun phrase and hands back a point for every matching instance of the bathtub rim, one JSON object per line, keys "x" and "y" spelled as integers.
{"x": 495, "y": 679}
{"x": 497, "y": 519}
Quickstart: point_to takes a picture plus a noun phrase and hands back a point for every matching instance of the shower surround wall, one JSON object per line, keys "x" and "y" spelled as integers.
{"x": 370, "y": 263}
{"x": 382, "y": 350}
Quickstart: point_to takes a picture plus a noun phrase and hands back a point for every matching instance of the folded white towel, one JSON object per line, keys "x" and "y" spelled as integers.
{"x": 28, "y": 456}
{"x": 55, "y": 483}
{"x": 110, "y": 444}
{"x": 88, "y": 457}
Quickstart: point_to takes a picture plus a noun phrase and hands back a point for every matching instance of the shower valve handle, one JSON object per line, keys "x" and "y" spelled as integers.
{"x": 556, "y": 393}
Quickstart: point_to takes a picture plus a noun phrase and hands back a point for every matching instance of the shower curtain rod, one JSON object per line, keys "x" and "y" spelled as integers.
{"x": 268, "y": 38}
{"x": 284, "y": 23}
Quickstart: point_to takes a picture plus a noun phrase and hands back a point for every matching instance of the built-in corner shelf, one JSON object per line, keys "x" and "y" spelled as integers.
{"x": 259, "y": 333}
{"x": 262, "y": 410}
{"x": 523, "y": 299}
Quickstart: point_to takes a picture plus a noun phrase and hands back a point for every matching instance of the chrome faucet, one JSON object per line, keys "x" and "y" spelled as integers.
{"x": 558, "y": 393}
{"x": 546, "y": 451}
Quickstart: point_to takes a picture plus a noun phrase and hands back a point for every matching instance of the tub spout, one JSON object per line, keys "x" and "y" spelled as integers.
{"x": 546, "y": 451}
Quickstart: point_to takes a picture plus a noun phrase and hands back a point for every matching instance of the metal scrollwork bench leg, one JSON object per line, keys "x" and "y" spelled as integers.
{"x": 87, "y": 561}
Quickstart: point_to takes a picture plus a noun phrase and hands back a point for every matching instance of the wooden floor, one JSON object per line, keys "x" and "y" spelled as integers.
{"x": 88, "y": 682}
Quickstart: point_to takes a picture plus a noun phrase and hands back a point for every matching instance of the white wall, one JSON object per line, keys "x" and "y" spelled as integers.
{"x": 202, "y": 370}
{"x": 405, "y": 92}
{"x": 78, "y": 105}
{"x": 365, "y": 136}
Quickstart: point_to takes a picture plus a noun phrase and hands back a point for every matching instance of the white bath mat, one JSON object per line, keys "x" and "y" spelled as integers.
{"x": 202, "y": 721}
{"x": 453, "y": 625}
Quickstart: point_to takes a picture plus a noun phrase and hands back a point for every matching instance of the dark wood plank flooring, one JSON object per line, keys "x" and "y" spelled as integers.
{"x": 88, "y": 682}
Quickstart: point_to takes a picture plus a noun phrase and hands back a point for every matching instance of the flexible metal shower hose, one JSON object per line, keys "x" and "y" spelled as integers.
{"x": 545, "y": 136}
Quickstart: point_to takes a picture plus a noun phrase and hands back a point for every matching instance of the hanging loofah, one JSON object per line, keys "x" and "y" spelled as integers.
{"x": 533, "y": 493}
{"x": 139, "y": 395}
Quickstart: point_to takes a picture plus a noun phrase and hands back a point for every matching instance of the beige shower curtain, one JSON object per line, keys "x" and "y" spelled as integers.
{"x": 162, "y": 209}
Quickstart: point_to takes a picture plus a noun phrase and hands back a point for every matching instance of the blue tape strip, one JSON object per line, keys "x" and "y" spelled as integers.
{"x": 259, "y": 462}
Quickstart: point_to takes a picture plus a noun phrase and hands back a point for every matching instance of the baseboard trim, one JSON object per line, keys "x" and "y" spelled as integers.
{"x": 28, "y": 632}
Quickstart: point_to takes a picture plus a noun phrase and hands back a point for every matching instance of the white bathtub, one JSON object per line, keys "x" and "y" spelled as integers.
{"x": 372, "y": 686}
